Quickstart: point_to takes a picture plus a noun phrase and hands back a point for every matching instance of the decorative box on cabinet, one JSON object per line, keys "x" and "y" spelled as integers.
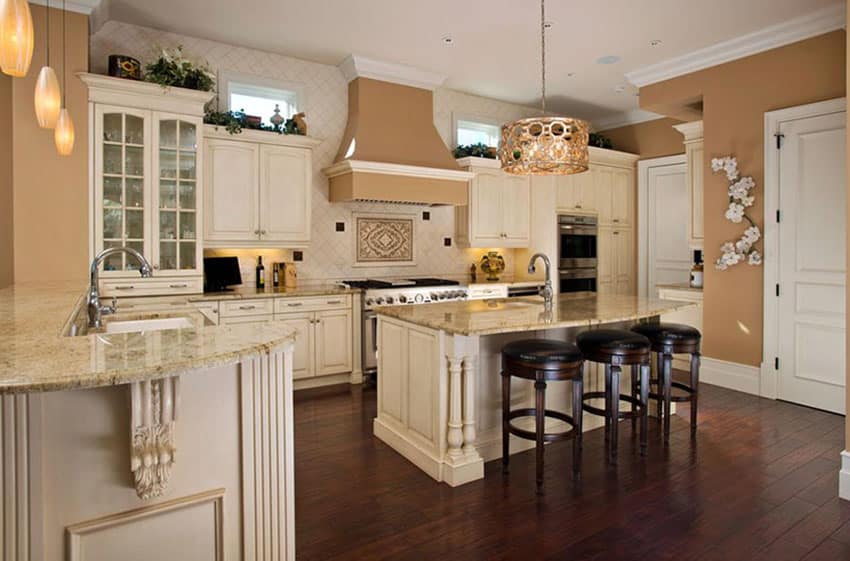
{"x": 499, "y": 210}
{"x": 695, "y": 155}
{"x": 257, "y": 189}
{"x": 146, "y": 160}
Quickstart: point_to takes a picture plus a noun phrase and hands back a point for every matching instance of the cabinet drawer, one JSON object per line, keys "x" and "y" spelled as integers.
{"x": 245, "y": 319}
{"x": 311, "y": 303}
{"x": 150, "y": 287}
{"x": 247, "y": 307}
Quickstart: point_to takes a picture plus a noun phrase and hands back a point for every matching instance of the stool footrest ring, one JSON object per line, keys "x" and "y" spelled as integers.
{"x": 622, "y": 414}
{"x": 547, "y": 436}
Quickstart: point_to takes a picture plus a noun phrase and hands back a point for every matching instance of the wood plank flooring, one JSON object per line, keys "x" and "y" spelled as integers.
{"x": 760, "y": 483}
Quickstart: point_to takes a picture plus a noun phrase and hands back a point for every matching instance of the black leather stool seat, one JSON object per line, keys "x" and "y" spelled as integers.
{"x": 597, "y": 344}
{"x": 673, "y": 335}
{"x": 541, "y": 352}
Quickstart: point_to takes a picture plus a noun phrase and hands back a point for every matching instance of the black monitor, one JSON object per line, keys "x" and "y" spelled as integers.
{"x": 221, "y": 272}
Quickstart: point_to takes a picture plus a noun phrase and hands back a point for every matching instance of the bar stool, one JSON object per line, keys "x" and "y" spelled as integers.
{"x": 616, "y": 348}
{"x": 542, "y": 360}
{"x": 666, "y": 339}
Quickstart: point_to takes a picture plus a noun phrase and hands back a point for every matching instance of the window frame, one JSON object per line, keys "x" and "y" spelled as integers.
{"x": 457, "y": 117}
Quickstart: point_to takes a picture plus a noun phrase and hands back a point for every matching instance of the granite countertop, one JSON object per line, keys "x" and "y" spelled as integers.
{"x": 35, "y": 356}
{"x": 320, "y": 289}
{"x": 679, "y": 286}
{"x": 489, "y": 317}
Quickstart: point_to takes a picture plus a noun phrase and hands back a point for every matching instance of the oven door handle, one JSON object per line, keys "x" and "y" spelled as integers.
{"x": 579, "y": 230}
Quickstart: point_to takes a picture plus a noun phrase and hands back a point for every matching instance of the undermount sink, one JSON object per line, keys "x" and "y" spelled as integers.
{"x": 140, "y": 325}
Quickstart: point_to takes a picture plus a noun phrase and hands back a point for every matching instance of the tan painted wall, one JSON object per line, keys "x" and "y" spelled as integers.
{"x": 651, "y": 139}
{"x": 735, "y": 97}
{"x": 51, "y": 191}
{"x": 6, "y": 216}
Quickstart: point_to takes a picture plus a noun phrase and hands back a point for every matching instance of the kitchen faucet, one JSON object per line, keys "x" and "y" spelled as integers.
{"x": 546, "y": 292}
{"x": 95, "y": 309}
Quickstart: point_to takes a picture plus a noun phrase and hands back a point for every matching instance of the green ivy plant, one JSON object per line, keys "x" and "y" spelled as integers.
{"x": 171, "y": 69}
{"x": 479, "y": 150}
{"x": 235, "y": 121}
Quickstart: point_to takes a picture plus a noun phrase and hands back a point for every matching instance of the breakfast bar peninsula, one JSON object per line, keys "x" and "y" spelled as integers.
{"x": 439, "y": 389}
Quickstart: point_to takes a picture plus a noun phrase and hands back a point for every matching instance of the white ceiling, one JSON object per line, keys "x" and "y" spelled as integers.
{"x": 496, "y": 47}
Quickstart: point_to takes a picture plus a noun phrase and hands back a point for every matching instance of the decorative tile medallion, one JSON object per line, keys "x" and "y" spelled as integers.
{"x": 384, "y": 240}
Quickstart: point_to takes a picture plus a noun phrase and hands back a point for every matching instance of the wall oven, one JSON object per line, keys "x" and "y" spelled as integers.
{"x": 577, "y": 253}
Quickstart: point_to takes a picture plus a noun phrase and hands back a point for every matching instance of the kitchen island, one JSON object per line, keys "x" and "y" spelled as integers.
{"x": 439, "y": 388}
{"x": 157, "y": 436}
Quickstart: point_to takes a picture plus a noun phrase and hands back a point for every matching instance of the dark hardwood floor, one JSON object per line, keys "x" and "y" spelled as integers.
{"x": 760, "y": 483}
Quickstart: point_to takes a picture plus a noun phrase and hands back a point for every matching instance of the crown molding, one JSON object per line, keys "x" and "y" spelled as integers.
{"x": 691, "y": 131}
{"x": 80, "y": 6}
{"x": 816, "y": 23}
{"x": 356, "y": 66}
{"x": 632, "y": 117}
{"x": 362, "y": 166}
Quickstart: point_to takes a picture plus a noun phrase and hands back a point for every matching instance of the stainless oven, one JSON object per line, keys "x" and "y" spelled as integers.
{"x": 577, "y": 253}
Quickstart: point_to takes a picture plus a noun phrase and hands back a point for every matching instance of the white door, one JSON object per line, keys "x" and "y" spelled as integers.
{"x": 230, "y": 191}
{"x": 333, "y": 342}
{"x": 285, "y": 185}
{"x": 668, "y": 257}
{"x": 812, "y": 261}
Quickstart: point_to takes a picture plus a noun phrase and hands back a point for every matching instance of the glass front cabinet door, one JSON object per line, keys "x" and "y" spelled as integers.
{"x": 146, "y": 176}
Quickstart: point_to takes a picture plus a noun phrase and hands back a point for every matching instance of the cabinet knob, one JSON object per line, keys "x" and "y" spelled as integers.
{"x": 263, "y": 232}
{"x": 578, "y": 206}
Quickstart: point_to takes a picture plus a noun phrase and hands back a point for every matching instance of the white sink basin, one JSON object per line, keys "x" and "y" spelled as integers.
{"x": 158, "y": 324}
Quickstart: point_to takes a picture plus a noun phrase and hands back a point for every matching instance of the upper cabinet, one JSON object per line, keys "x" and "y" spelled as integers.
{"x": 146, "y": 162}
{"x": 695, "y": 155}
{"x": 257, "y": 189}
{"x": 606, "y": 189}
{"x": 499, "y": 210}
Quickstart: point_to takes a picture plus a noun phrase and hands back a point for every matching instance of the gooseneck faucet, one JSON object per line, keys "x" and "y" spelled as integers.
{"x": 95, "y": 309}
{"x": 546, "y": 292}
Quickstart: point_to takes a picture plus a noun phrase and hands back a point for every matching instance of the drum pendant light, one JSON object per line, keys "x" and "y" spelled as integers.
{"x": 63, "y": 135}
{"x": 16, "y": 37}
{"x": 48, "y": 100}
{"x": 544, "y": 145}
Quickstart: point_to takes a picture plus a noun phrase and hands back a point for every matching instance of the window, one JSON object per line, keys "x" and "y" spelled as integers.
{"x": 259, "y": 97}
{"x": 475, "y": 132}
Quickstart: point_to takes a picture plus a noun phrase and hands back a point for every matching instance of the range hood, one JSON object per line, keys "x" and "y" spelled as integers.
{"x": 390, "y": 151}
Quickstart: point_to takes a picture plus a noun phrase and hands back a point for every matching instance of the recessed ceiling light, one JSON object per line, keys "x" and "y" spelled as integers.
{"x": 447, "y": 40}
{"x": 609, "y": 59}
{"x": 655, "y": 42}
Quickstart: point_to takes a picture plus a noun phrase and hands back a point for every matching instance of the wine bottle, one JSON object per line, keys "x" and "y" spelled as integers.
{"x": 261, "y": 273}
{"x": 276, "y": 275}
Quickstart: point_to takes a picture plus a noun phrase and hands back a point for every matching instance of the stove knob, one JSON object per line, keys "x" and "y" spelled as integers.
{"x": 434, "y": 297}
{"x": 419, "y": 298}
{"x": 402, "y": 299}
{"x": 379, "y": 300}
{"x": 390, "y": 300}
{"x": 369, "y": 301}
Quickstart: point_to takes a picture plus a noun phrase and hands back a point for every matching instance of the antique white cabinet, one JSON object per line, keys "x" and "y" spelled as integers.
{"x": 695, "y": 155}
{"x": 324, "y": 345}
{"x": 499, "y": 210}
{"x": 146, "y": 159}
{"x": 257, "y": 189}
{"x": 607, "y": 189}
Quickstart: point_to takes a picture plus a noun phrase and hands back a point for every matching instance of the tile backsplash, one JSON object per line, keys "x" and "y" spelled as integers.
{"x": 330, "y": 255}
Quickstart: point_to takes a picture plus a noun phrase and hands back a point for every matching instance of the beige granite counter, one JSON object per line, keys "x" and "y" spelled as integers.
{"x": 34, "y": 356}
{"x": 678, "y": 286}
{"x": 488, "y": 317}
{"x": 322, "y": 289}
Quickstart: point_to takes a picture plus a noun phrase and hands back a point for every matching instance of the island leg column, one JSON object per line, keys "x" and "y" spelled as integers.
{"x": 462, "y": 462}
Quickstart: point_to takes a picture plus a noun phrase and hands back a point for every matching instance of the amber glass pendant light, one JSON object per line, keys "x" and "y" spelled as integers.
{"x": 48, "y": 99}
{"x": 63, "y": 134}
{"x": 544, "y": 145}
{"x": 16, "y": 37}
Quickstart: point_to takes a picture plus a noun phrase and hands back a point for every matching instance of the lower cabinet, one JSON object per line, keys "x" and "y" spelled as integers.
{"x": 689, "y": 316}
{"x": 323, "y": 345}
{"x": 616, "y": 258}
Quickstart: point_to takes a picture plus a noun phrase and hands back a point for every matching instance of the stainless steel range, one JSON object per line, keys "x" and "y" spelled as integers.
{"x": 381, "y": 292}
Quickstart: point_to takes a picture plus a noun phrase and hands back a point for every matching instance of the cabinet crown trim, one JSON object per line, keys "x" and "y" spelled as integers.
{"x": 348, "y": 166}
{"x": 608, "y": 157}
{"x": 262, "y": 137}
{"x": 476, "y": 162}
{"x": 691, "y": 131}
{"x": 144, "y": 95}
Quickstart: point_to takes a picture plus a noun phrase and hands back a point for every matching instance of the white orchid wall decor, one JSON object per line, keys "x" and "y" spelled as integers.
{"x": 740, "y": 200}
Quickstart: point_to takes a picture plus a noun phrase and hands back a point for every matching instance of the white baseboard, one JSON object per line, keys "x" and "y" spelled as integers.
{"x": 844, "y": 476}
{"x": 731, "y": 375}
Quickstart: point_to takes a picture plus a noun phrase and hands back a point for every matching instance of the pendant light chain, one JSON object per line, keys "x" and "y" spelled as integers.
{"x": 47, "y": 33}
{"x": 64, "y": 60}
{"x": 542, "y": 55}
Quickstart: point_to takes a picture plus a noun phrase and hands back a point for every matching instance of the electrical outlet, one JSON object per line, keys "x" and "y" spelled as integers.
{"x": 298, "y": 256}
{"x": 426, "y": 215}
{"x": 340, "y": 226}
{"x": 447, "y": 242}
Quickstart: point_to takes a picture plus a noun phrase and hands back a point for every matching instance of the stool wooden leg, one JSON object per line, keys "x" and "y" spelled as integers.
{"x": 695, "y": 360}
{"x": 614, "y": 410}
{"x": 644, "y": 409}
{"x": 578, "y": 413}
{"x": 540, "y": 424}
{"x": 667, "y": 383}
{"x": 506, "y": 409}
{"x": 607, "y": 403}
{"x": 659, "y": 373}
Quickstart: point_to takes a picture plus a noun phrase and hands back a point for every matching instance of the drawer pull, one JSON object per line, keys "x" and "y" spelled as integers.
{"x": 295, "y": 304}
{"x": 125, "y": 287}
{"x": 616, "y": 220}
{"x": 334, "y": 302}
{"x": 250, "y": 307}
{"x": 184, "y": 285}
